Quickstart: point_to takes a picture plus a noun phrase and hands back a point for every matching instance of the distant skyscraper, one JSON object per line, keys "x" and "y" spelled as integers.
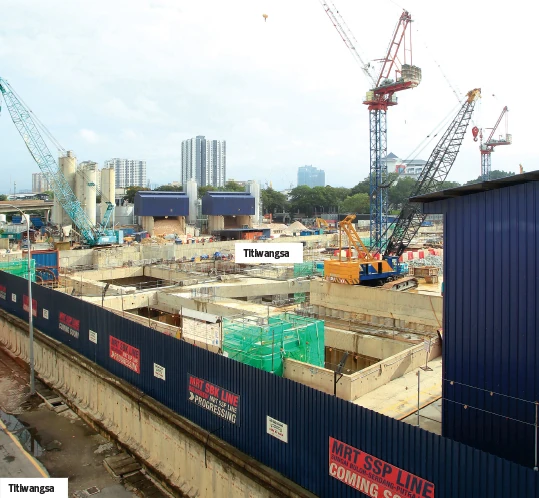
{"x": 312, "y": 177}
{"x": 39, "y": 183}
{"x": 128, "y": 172}
{"x": 204, "y": 161}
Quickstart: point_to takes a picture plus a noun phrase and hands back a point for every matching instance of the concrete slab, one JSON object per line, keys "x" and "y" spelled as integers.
{"x": 398, "y": 398}
{"x": 430, "y": 417}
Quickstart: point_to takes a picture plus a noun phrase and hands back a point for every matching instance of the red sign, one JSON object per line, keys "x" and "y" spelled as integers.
{"x": 69, "y": 324}
{"x": 3, "y": 292}
{"x": 125, "y": 354}
{"x": 25, "y": 306}
{"x": 373, "y": 476}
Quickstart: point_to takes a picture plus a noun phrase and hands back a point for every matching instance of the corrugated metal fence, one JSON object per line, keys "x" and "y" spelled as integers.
{"x": 162, "y": 366}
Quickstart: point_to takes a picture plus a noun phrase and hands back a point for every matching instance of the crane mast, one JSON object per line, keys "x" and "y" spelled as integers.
{"x": 397, "y": 73}
{"x": 432, "y": 176}
{"x": 487, "y": 147}
{"x": 26, "y": 126}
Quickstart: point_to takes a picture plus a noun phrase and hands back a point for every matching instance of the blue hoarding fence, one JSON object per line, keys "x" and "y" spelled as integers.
{"x": 329, "y": 446}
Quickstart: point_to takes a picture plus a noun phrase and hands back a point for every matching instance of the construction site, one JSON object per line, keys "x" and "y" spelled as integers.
{"x": 377, "y": 337}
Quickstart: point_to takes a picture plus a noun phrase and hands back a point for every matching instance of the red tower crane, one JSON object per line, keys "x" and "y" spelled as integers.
{"x": 487, "y": 147}
{"x": 396, "y": 74}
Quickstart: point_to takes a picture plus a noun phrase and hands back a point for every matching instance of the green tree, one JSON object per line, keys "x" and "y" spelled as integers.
{"x": 494, "y": 175}
{"x": 273, "y": 201}
{"x": 169, "y": 188}
{"x": 400, "y": 192}
{"x": 358, "y": 203}
{"x": 202, "y": 190}
{"x": 130, "y": 193}
{"x": 50, "y": 193}
{"x": 3, "y": 197}
{"x": 232, "y": 186}
{"x": 447, "y": 185}
{"x": 362, "y": 187}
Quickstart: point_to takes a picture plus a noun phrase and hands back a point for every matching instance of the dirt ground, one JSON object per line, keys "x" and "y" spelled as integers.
{"x": 62, "y": 442}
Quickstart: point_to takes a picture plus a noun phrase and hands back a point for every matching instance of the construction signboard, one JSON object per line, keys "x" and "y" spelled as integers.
{"x": 373, "y": 476}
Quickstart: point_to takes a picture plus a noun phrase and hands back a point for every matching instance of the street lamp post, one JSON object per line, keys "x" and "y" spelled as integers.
{"x": 30, "y": 308}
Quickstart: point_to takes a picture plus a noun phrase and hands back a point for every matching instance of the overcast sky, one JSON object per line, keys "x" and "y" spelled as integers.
{"x": 133, "y": 78}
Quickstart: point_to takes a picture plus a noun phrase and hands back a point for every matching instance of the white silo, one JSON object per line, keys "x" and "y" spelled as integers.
{"x": 253, "y": 187}
{"x": 86, "y": 188}
{"x": 191, "y": 189}
{"x": 68, "y": 167}
{"x": 108, "y": 192}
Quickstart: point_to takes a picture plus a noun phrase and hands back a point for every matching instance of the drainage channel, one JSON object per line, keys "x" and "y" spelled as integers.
{"x": 26, "y": 435}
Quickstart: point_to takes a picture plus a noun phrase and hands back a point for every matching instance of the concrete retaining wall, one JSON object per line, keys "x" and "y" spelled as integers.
{"x": 118, "y": 256}
{"x": 380, "y": 307}
{"x": 171, "y": 447}
{"x": 351, "y": 387}
{"x": 375, "y": 347}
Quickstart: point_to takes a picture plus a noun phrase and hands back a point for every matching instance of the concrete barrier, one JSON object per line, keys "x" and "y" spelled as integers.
{"x": 351, "y": 387}
{"x": 380, "y": 307}
{"x": 183, "y": 457}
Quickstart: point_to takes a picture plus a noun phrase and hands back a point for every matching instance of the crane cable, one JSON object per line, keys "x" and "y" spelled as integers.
{"x": 441, "y": 126}
{"x": 38, "y": 122}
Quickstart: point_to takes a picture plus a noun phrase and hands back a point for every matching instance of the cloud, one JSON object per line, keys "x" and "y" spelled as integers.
{"x": 89, "y": 136}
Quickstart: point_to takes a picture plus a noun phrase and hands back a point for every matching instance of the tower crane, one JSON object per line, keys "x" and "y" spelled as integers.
{"x": 431, "y": 178}
{"x": 27, "y": 127}
{"x": 396, "y": 74}
{"x": 487, "y": 147}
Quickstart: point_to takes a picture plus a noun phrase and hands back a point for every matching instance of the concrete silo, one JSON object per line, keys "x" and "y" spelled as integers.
{"x": 68, "y": 167}
{"x": 85, "y": 186}
{"x": 253, "y": 187}
{"x": 190, "y": 187}
{"x": 108, "y": 191}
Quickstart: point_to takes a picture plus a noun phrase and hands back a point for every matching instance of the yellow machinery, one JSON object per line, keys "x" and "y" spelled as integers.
{"x": 321, "y": 222}
{"x": 363, "y": 268}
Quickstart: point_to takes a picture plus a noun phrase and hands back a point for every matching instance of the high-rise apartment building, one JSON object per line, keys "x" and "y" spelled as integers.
{"x": 312, "y": 177}
{"x": 128, "y": 172}
{"x": 204, "y": 161}
{"x": 39, "y": 183}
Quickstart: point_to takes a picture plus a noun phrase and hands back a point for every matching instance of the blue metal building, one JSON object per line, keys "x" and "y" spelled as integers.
{"x": 491, "y": 317}
{"x": 228, "y": 204}
{"x": 150, "y": 203}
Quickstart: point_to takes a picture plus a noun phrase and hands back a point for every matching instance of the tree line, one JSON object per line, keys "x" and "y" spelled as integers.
{"x": 317, "y": 200}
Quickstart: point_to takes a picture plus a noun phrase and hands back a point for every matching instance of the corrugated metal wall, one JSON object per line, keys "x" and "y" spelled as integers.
{"x": 312, "y": 416}
{"x": 150, "y": 203}
{"x": 228, "y": 204}
{"x": 491, "y": 322}
{"x": 46, "y": 264}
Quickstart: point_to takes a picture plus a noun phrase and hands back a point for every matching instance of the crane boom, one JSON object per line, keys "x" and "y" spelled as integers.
{"x": 432, "y": 176}
{"x": 348, "y": 39}
{"x": 22, "y": 118}
{"x": 391, "y": 60}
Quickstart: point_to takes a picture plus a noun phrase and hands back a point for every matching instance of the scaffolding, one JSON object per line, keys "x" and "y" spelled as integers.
{"x": 265, "y": 342}
{"x": 19, "y": 268}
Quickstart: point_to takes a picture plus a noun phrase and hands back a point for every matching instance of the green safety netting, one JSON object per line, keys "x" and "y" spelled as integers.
{"x": 265, "y": 345}
{"x": 308, "y": 268}
{"x": 19, "y": 267}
